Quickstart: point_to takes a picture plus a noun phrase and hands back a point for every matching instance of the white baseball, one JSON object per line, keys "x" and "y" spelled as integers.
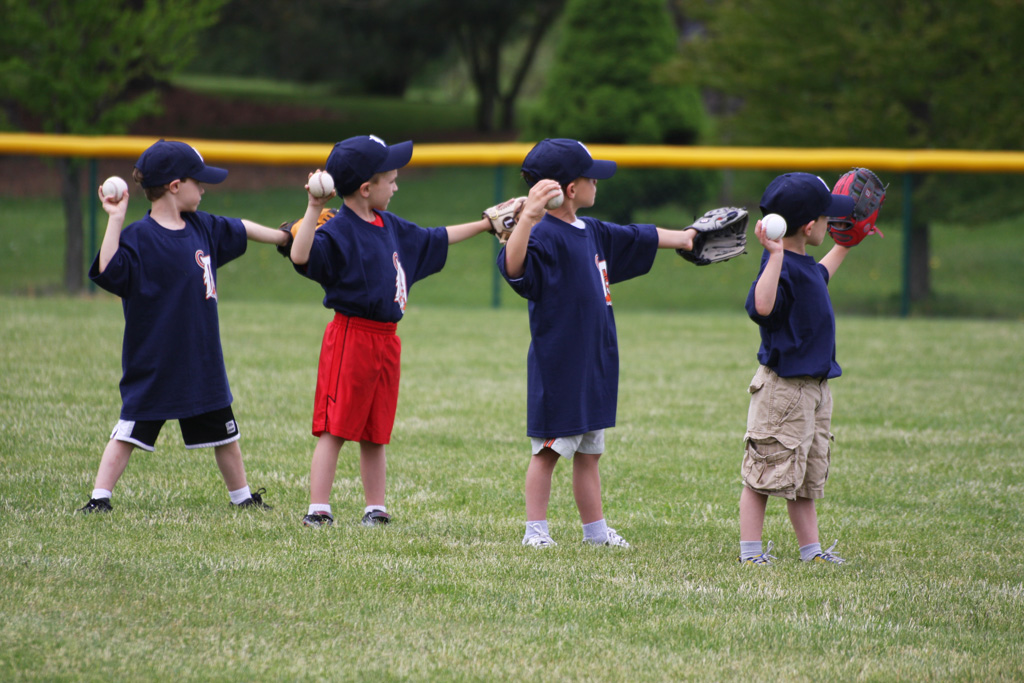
{"x": 555, "y": 201}
{"x": 114, "y": 187}
{"x": 774, "y": 226}
{"x": 321, "y": 184}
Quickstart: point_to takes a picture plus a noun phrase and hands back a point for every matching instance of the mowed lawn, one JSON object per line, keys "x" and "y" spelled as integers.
{"x": 926, "y": 497}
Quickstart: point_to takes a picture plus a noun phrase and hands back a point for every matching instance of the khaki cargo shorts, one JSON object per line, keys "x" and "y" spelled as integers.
{"x": 788, "y": 445}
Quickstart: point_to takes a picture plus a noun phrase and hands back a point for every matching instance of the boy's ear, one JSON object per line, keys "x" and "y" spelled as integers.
{"x": 173, "y": 185}
{"x": 570, "y": 189}
{"x": 364, "y": 189}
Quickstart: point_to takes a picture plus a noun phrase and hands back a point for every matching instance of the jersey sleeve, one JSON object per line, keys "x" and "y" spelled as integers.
{"x": 227, "y": 235}
{"x": 783, "y": 301}
{"x": 116, "y": 278}
{"x": 424, "y": 251}
{"x": 530, "y": 284}
{"x": 630, "y": 249}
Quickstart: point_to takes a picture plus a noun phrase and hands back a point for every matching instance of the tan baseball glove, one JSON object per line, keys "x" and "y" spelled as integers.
{"x": 503, "y": 217}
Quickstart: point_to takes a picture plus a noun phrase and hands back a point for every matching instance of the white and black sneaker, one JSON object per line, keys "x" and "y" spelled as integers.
{"x": 317, "y": 520}
{"x": 254, "y": 501}
{"x": 96, "y": 505}
{"x": 613, "y": 539}
{"x": 536, "y": 537}
{"x": 376, "y": 518}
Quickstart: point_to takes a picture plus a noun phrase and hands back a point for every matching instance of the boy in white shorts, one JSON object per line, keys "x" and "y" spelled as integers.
{"x": 564, "y": 265}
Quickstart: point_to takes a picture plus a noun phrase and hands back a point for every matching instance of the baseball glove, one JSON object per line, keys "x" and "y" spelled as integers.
{"x": 869, "y": 193}
{"x": 292, "y": 227}
{"x": 721, "y": 235}
{"x": 503, "y": 217}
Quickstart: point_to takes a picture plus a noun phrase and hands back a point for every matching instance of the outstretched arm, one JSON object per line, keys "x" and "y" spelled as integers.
{"x": 261, "y": 233}
{"x": 463, "y": 231}
{"x": 834, "y": 258}
{"x": 676, "y": 239}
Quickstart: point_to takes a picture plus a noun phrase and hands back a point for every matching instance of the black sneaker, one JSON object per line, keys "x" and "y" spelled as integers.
{"x": 96, "y": 505}
{"x": 376, "y": 518}
{"x": 317, "y": 520}
{"x": 255, "y": 501}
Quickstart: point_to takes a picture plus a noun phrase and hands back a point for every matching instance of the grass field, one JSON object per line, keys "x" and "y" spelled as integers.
{"x": 925, "y": 497}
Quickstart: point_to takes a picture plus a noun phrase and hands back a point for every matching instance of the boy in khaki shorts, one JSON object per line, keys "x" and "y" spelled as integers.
{"x": 788, "y": 438}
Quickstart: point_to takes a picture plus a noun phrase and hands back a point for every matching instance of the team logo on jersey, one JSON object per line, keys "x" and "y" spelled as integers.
{"x": 205, "y": 263}
{"x": 401, "y": 290}
{"x": 602, "y": 267}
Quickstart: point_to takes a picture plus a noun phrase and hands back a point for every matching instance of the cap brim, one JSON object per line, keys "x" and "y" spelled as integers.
{"x": 842, "y": 205}
{"x": 601, "y": 169}
{"x": 211, "y": 175}
{"x": 398, "y": 156}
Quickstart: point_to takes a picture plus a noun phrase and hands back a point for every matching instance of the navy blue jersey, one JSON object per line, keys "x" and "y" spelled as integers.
{"x": 573, "y": 361}
{"x": 367, "y": 270}
{"x": 798, "y": 337}
{"x": 171, "y": 357}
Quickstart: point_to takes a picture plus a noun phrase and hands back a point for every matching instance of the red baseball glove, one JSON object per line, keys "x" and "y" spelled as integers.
{"x": 869, "y": 193}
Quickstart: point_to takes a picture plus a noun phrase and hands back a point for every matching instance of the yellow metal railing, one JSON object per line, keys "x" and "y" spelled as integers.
{"x": 512, "y": 153}
{"x": 905, "y": 161}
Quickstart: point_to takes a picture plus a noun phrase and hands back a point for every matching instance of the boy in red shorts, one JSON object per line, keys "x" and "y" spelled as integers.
{"x": 366, "y": 260}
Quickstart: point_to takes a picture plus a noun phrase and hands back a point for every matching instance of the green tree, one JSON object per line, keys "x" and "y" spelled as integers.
{"x": 872, "y": 73}
{"x": 380, "y": 46}
{"x": 85, "y": 68}
{"x": 611, "y": 84}
{"x": 486, "y": 32}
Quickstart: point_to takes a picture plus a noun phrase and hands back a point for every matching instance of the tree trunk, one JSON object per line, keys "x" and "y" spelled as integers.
{"x": 485, "y": 109}
{"x": 919, "y": 263}
{"x": 71, "y": 197}
{"x": 508, "y": 112}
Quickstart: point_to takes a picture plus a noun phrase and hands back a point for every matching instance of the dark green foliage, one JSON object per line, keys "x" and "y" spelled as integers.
{"x": 610, "y": 85}
{"x": 869, "y": 73}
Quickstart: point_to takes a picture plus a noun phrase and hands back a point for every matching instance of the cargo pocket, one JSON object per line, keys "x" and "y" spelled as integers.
{"x": 770, "y": 466}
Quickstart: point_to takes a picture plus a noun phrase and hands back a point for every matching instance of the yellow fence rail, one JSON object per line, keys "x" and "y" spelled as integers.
{"x": 905, "y": 161}
{"x": 512, "y": 153}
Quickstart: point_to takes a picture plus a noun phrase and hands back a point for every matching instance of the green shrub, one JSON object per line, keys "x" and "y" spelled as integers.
{"x": 608, "y": 85}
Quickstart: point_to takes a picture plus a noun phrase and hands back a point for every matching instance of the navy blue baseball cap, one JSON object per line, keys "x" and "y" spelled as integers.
{"x": 168, "y": 160}
{"x": 354, "y": 161}
{"x": 565, "y": 160}
{"x": 801, "y": 197}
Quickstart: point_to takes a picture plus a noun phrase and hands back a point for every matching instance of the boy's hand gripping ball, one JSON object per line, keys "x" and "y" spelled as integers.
{"x": 321, "y": 184}
{"x": 774, "y": 226}
{"x": 114, "y": 187}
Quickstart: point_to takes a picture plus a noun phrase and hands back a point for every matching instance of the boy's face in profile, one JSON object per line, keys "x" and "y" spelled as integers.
{"x": 818, "y": 231}
{"x": 586, "y": 192}
{"x": 189, "y": 194}
{"x": 382, "y": 187}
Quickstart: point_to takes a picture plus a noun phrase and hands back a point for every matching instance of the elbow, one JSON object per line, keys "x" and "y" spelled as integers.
{"x": 763, "y": 308}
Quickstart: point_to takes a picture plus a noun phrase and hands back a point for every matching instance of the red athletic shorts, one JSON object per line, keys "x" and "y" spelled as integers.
{"x": 357, "y": 380}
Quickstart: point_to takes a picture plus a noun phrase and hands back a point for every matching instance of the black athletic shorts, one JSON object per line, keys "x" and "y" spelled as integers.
{"x": 215, "y": 428}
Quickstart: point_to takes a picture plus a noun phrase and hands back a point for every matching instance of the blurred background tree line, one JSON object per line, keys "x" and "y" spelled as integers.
{"x": 788, "y": 73}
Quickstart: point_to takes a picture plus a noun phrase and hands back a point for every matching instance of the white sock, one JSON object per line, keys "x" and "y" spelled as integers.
{"x": 371, "y": 508}
{"x": 810, "y": 551}
{"x": 535, "y": 528}
{"x": 750, "y": 549}
{"x": 319, "y": 509}
{"x": 596, "y": 532}
{"x": 102, "y": 493}
{"x": 240, "y": 495}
